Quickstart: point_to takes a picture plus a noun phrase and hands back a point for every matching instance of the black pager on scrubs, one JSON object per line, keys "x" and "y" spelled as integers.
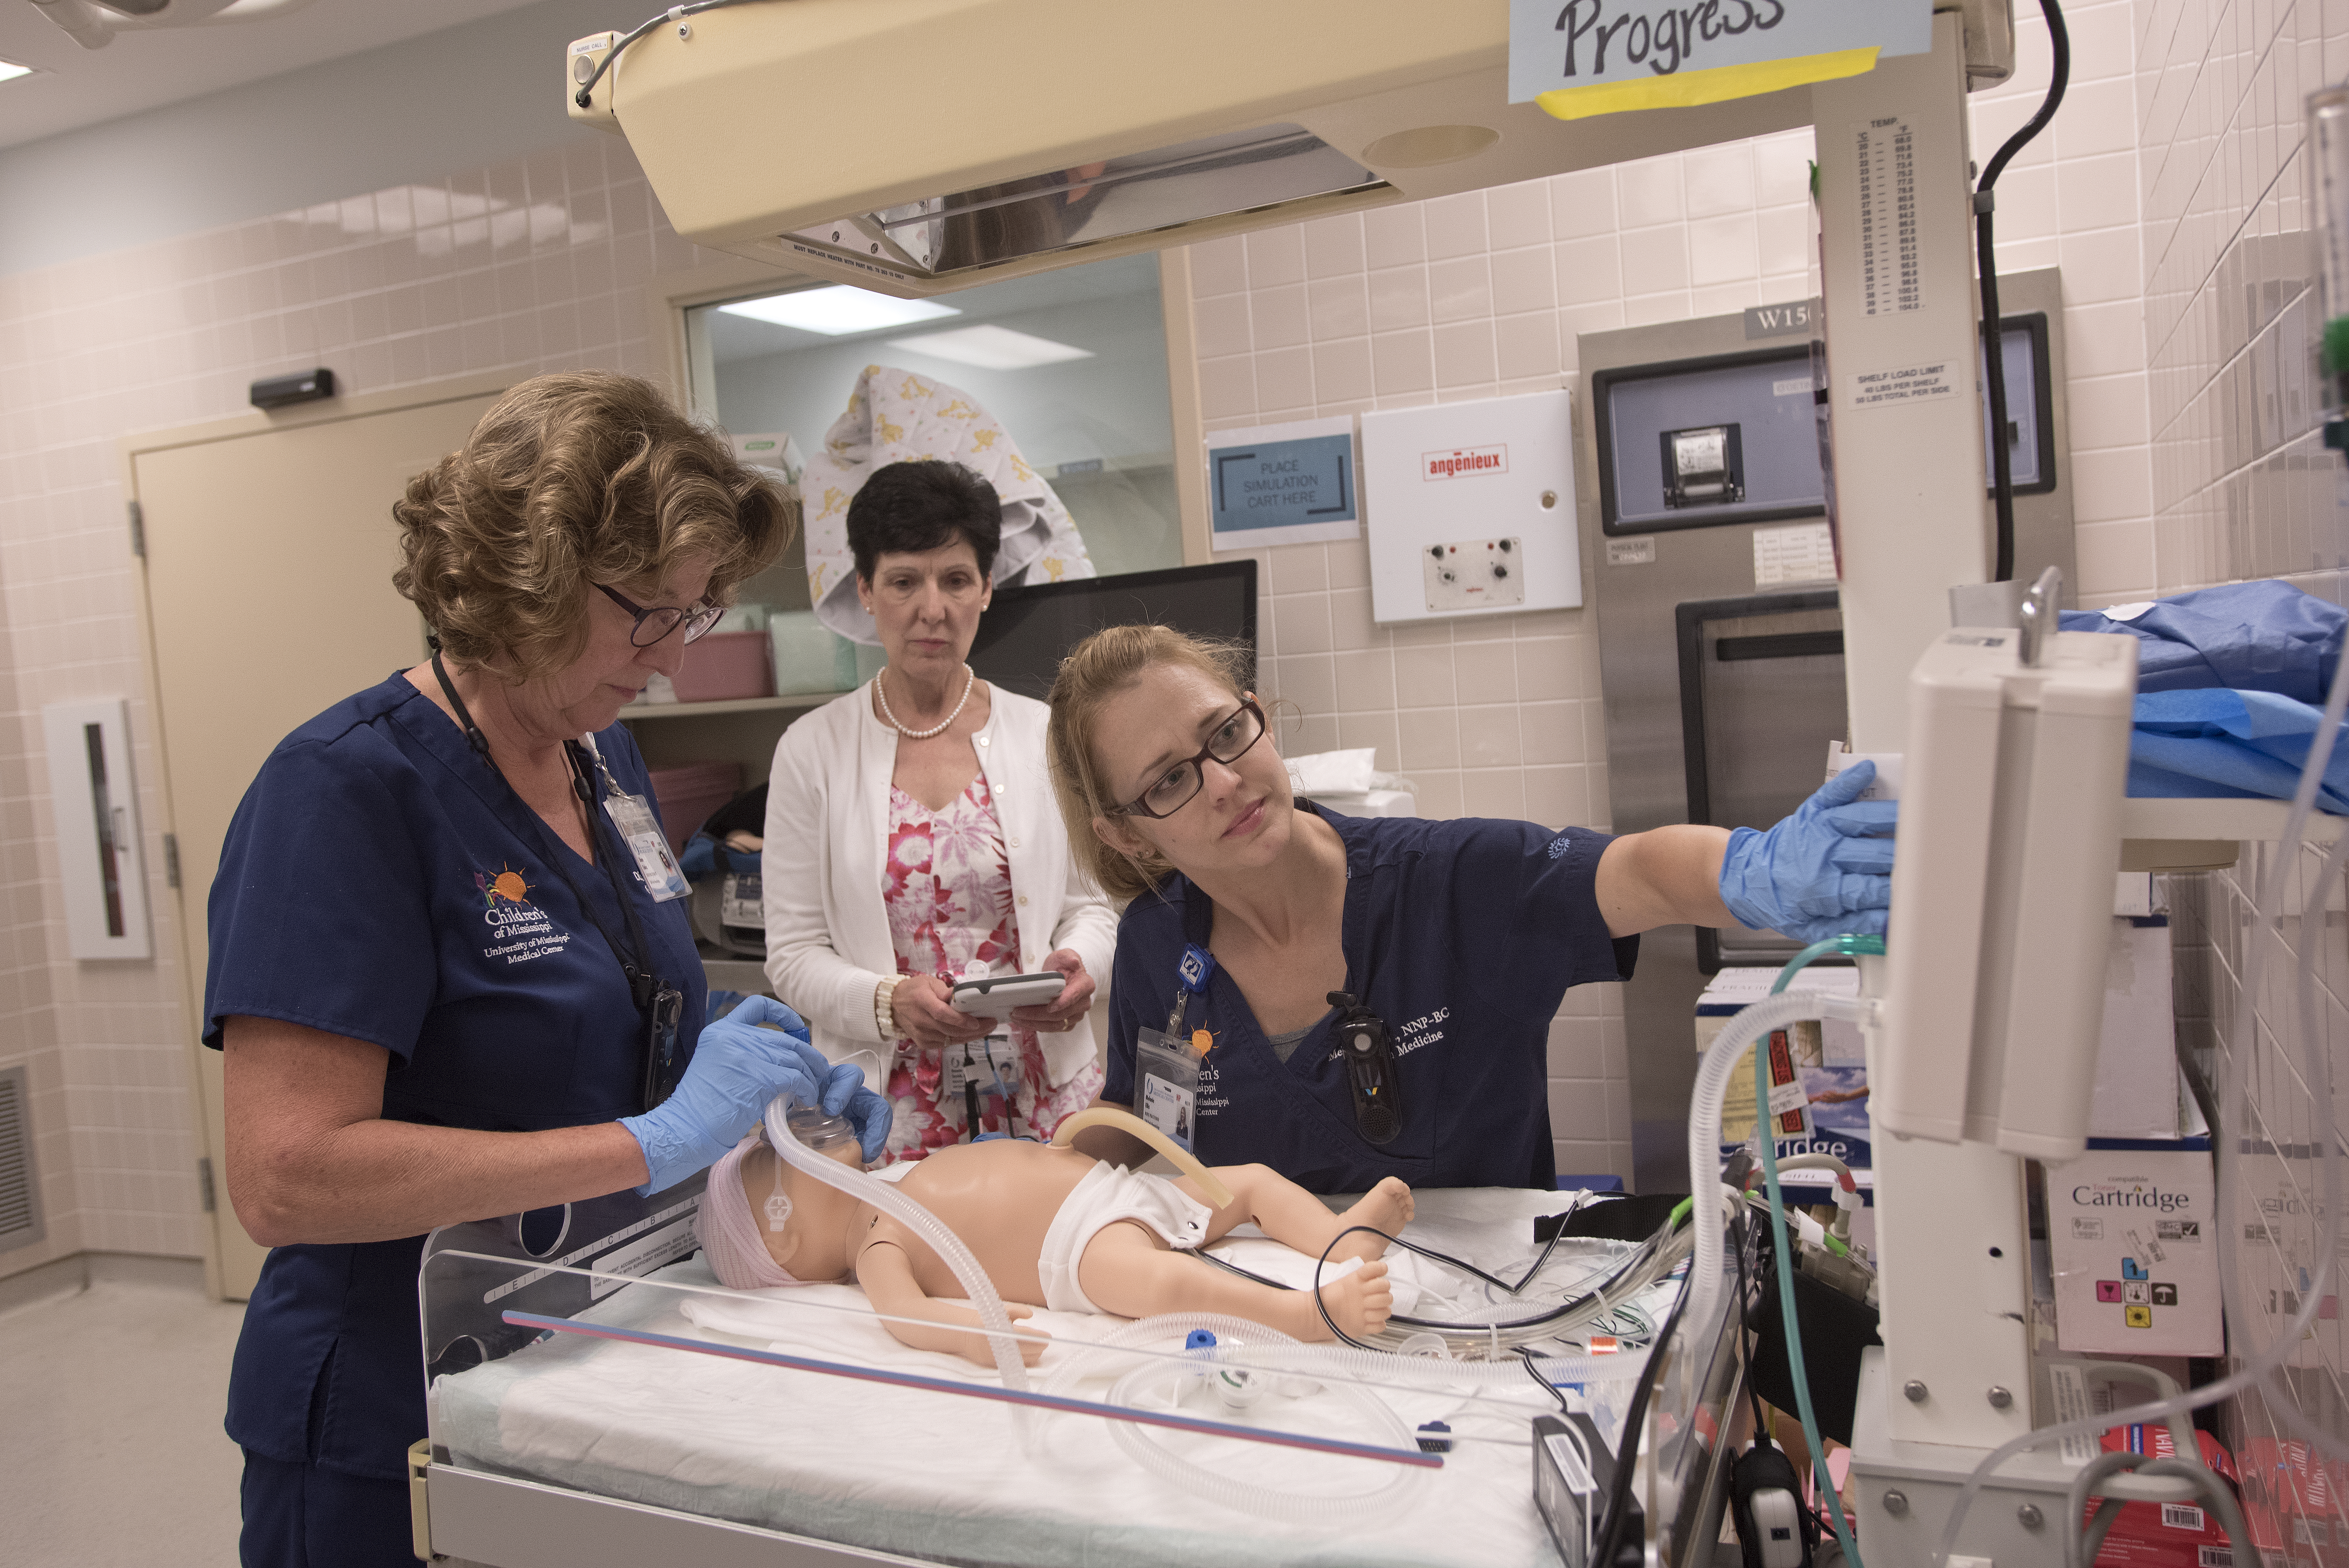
{"x": 1369, "y": 1069}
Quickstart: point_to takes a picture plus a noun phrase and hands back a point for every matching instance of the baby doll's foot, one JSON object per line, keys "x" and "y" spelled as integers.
{"x": 1386, "y": 1207}
{"x": 1359, "y": 1304}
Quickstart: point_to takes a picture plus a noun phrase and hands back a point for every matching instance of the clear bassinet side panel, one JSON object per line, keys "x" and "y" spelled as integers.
{"x": 597, "y": 1353}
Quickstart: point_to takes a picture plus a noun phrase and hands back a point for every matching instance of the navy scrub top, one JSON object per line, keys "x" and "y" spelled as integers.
{"x": 1463, "y": 935}
{"x": 380, "y": 882}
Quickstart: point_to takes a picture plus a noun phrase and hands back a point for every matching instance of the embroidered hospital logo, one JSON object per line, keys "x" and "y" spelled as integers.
{"x": 519, "y": 930}
{"x": 1559, "y": 845}
{"x": 506, "y": 884}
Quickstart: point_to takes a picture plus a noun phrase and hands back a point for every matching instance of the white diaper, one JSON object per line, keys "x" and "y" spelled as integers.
{"x": 1110, "y": 1194}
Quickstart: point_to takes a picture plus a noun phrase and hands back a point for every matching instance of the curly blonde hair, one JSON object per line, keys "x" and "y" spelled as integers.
{"x": 1095, "y": 671}
{"x": 574, "y": 480}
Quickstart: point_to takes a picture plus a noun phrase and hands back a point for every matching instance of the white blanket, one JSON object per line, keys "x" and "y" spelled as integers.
{"x": 930, "y": 1475}
{"x": 894, "y": 416}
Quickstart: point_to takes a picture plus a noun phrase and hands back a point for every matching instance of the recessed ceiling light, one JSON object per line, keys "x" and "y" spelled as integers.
{"x": 838, "y": 310}
{"x": 991, "y": 347}
{"x": 10, "y": 70}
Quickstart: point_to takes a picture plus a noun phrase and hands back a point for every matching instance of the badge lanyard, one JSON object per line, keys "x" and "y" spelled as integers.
{"x": 661, "y": 1004}
{"x": 664, "y": 879}
{"x": 1167, "y": 1062}
{"x": 976, "y": 1072}
{"x": 1373, "y": 1076}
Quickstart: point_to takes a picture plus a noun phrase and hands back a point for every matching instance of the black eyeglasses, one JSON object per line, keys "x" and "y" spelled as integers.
{"x": 1173, "y": 789}
{"x": 658, "y": 622}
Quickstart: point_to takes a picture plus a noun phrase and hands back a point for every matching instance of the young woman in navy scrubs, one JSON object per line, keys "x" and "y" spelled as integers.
{"x": 437, "y": 972}
{"x": 1459, "y": 938}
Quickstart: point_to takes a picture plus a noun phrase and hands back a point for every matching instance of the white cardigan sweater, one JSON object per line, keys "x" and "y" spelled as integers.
{"x": 828, "y": 835}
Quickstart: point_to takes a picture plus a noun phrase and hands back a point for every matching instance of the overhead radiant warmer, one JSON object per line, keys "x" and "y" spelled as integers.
{"x": 920, "y": 146}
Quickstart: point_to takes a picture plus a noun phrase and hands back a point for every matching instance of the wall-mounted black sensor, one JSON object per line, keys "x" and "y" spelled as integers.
{"x": 302, "y": 387}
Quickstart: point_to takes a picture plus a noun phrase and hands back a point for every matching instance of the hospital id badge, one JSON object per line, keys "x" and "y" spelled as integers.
{"x": 642, "y": 834}
{"x": 1167, "y": 1086}
{"x": 991, "y": 1064}
{"x": 741, "y": 900}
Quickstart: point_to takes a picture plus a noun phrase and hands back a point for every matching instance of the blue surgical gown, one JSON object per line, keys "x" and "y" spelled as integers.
{"x": 1463, "y": 935}
{"x": 381, "y": 883}
{"x": 2252, "y": 636}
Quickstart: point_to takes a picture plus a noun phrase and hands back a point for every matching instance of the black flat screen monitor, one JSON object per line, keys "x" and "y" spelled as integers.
{"x": 1027, "y": 631}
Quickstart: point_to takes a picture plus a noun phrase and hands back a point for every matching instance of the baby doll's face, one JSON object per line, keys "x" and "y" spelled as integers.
{"x": 812, "y": 1245}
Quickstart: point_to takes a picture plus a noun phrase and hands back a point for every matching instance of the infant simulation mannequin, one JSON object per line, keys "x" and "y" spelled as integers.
{"x": 1051, "y": 1227}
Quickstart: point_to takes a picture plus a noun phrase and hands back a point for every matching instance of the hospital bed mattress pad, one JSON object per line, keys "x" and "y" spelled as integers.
{"x": 931, "y": 1475}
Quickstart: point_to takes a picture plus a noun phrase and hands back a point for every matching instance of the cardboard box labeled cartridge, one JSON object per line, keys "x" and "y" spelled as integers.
{"x": 2130, "y": 1233}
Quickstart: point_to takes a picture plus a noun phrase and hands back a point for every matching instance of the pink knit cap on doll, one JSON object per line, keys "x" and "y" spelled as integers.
{"x": 730, "y": 1234}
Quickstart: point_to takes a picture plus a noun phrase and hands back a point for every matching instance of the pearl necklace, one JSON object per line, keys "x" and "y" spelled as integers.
{"x": 881, "y": 690}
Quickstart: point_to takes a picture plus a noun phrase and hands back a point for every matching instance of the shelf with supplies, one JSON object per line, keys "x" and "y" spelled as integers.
{"x": 2189, "y": 834}
{"x": 789, "y": 700}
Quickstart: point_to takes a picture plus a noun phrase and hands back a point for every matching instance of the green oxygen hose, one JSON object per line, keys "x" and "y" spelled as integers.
{"x": 1847, "y": 947}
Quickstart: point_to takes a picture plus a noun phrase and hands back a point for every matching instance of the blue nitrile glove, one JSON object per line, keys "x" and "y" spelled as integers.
{"x": 737, "y": 1068}
{"x": 871, "y": 1114}
{"x": 1826, "y": 871}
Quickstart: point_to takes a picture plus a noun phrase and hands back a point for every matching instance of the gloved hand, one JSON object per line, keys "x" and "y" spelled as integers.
{"x": 737, "y": 1068}
{"x": 1826, "y": 871}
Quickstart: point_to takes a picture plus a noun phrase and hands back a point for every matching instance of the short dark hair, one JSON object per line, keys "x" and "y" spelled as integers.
{"x": 908, "y": 508}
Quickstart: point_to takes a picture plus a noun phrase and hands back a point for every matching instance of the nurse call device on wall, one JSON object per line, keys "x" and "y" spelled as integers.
{"x": 1469, "y": 507}
{"x": 996, "y": 997}
{"x": 284, "y": 391}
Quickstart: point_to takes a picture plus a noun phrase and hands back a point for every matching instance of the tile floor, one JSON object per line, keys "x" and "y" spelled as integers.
{"x": 112, "y": 1447}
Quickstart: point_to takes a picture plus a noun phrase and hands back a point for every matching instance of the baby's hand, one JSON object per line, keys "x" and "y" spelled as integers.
{"x": 978, "y": 1349}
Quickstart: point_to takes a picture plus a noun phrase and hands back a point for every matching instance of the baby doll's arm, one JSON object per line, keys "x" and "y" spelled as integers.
{"x": 887, "y": 1275}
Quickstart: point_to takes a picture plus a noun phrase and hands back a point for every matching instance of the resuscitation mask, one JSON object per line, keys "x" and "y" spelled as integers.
{"x": 826, "y": 1135}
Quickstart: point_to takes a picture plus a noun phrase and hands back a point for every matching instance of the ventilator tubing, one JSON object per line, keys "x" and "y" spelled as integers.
{"x": 1705, "y": 1189}
{"x": 1127, "y": 1122}
{"x": 1280, "y": 1355}
{"x": 996, "y": 1322}
{"x": 1397, "y": 1484}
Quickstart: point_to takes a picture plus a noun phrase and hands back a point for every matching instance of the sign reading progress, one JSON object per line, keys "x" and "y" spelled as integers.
{"x": 1577, "y": 57}
{"x": 1283, "y": 484}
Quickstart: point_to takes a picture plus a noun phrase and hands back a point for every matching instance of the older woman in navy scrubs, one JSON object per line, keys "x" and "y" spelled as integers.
{"x": 447, "y": 970}
{"x": 1453, "y": 940}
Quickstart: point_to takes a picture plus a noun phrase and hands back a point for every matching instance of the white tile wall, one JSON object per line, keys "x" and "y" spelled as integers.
{"x": 537, "y": 264}
{"x": 2242, "y": 487}
{"x": 1481, "y": 295}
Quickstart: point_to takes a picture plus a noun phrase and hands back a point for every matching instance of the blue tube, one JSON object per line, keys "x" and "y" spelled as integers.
{"x": 1767, "y": 1137}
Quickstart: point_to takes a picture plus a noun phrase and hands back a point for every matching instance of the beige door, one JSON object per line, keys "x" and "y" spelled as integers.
{"x": 270, "y": 551}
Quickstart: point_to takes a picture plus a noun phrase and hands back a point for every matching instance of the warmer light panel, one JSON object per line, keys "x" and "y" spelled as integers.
{"x": 991, "y": 349}
{"x": 839, "y": 310}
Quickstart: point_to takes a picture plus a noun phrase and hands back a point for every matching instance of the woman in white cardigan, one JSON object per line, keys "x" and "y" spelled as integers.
{"x": 912, "y": 840}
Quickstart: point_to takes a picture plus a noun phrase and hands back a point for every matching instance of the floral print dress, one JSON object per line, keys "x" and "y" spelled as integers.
{"x": 946, "y": 886}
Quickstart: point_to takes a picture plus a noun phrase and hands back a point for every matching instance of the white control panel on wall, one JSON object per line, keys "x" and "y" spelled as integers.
{"x": 94, "y": 803}
{"x": 1470, "y": 508}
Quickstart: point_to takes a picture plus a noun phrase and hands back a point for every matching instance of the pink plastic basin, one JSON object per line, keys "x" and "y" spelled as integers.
{"x": 726, "y": 664}
{"x": 686, "y": 794}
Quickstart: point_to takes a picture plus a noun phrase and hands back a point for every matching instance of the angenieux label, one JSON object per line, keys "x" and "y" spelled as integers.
{"x": 1463, "y": 460}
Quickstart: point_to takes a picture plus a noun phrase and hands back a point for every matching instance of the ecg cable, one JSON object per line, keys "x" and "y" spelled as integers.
{"x": 1649, "y": 1253}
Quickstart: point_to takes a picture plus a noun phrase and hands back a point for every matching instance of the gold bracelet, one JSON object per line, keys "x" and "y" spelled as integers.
{"x": 885, "y": 1012}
